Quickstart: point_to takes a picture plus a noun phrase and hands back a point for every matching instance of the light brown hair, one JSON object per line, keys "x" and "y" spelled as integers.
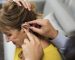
{"x": 14, "y": 16}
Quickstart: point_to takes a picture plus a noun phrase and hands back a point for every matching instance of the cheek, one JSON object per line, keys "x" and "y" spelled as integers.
{"x": 23, "y": 37}
{"x": 16, "y": 37}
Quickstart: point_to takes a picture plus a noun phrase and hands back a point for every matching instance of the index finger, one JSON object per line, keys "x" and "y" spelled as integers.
{"x": 26, "y": 4}
{"x": 18, "y": 2}
{"x": 38, "y": 21}
{"x": 29, "y": 35}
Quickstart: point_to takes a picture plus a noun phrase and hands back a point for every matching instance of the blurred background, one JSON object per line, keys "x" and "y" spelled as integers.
{"x": 61, "y": 13}
{"x": 1, "y": 41}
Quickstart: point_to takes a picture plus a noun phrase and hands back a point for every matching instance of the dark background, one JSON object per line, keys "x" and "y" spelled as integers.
{"x": 1, "y": 44}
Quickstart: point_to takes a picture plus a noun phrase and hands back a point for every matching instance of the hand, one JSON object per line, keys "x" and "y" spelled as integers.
{"x": 46, "y": 28}
{"x": 32, "y": 48}
{"x": 25, "y": 3}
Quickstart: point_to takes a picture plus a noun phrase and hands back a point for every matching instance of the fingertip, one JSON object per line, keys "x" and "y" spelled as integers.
{"x": 29, "y": 9}
{"x": 19, "y": 4}
{"x": 14, "y": 0}
{"x": 25, "y": 41}
{"x": 31, "y": 28}
{"x": 22, "y": 45}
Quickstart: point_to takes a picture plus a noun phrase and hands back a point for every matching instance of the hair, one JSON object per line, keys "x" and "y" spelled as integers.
{"x": 69, "y": 52}
{"x": 14, "y": 16}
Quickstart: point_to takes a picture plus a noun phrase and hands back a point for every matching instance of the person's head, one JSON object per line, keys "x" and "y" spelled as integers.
{"x": 12, "y": 17}
{"x": 69, "y": 52}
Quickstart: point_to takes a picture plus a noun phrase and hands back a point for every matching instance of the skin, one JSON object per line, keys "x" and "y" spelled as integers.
{"x": 32, "y": 46}
{"x": 46, "y": 30}
{"x": 24, "y": 3}
{"x": 46, "y": 27}
{"x": 27, "y": 41}
{"x": 17, "y": 37}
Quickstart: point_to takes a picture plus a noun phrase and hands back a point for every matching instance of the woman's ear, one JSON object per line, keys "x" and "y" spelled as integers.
{"x": 22, "y": 30}
{"x": 25, "y": 26}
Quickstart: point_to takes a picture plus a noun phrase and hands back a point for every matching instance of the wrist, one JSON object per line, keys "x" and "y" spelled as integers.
{"x": 53, "y": 34}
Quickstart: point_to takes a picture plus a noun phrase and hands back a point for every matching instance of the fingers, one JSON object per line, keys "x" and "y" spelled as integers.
{"x": 35, "y": 21}
{"x": 17, "y": 2}
{"x": 37, "y": 40}
{"x": 29, "y": 35}
{"x": 25, "y": 3}
{"x": 35, "y": 29}
{"x": 32, "y": 38}
{"x": 28, "y": 5}
{"x": 26, "y": 41}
